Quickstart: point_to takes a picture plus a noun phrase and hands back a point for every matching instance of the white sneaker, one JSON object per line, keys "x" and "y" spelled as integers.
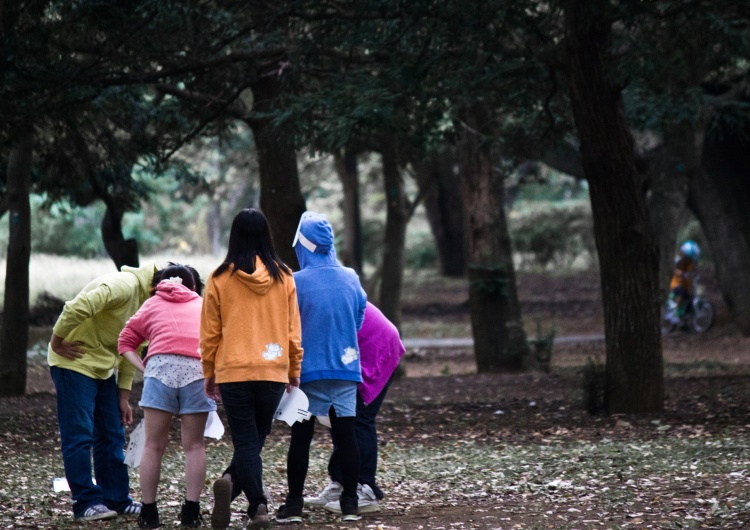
{"x": 367, "y": 501}
{"x": 97, "y": 512}
{"x": 330, "y": 493}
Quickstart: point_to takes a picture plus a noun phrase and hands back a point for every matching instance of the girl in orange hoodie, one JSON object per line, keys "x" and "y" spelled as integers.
{"x": 251, "y": 351}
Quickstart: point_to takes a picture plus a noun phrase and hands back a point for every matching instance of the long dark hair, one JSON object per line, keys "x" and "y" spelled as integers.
{"x": 250, "y": 238}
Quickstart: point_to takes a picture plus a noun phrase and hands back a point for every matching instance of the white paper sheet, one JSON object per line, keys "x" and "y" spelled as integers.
{"x": 293, "y": 407}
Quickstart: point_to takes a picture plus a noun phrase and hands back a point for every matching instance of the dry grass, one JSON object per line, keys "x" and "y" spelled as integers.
{"x": 63, "y": 276}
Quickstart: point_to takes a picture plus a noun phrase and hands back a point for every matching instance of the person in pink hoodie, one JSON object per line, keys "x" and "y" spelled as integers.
{"x": 380, "y": 350}
{"x": 172, "y": 384}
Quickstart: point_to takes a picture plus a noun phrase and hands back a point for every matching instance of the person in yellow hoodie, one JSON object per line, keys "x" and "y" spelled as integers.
{"x": 93, "y": 385}
{"x": 251, "y": 352}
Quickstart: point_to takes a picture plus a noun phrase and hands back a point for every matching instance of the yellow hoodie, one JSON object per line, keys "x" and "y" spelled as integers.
{"x": 96, "y": 317}
{"x": 250, "y": 327}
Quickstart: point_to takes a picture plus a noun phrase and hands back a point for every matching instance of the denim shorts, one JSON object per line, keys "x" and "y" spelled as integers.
{"x": 189, "y": 399}
{"x": 324, "y": 393}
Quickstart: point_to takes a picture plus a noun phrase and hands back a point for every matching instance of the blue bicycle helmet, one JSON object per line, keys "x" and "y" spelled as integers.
{"x": 691, "y": 250}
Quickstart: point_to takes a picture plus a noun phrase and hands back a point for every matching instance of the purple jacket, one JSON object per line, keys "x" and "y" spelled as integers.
{"x": 380, "y": 349}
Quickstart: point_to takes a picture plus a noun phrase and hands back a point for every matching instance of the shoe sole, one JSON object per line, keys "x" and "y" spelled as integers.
{"x": 371, "y": 508}
{"x": 350, "y": 518}
{"x": 260, "y": 522}
{"x": 222, "y": 513}
{"x": 293, "y": 519}
{"x": 100, "y": 517}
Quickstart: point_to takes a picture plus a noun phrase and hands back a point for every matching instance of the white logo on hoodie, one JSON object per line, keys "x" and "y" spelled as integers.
{"x": 350, "y": 355}
{"x": 272, "y": 351}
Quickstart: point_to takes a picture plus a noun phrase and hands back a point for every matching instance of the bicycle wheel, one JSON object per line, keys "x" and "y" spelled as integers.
{"x": 703, "y": 316}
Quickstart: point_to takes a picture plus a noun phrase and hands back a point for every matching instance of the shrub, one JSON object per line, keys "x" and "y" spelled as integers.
{"x": 548, "y": 234}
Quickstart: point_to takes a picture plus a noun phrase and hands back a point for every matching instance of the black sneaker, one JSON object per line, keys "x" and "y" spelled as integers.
{"x": 149, "y": 516}
{"x": 291, "y": 512}
{"x": 349, "y": 509}
{"x": 191, "y": 514}
{"x": 260, "y": 519}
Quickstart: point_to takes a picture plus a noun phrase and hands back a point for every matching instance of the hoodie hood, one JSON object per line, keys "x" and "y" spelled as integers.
{"x": 313, "y": 242}
{"x": 175, "y": 292}
{"x": 145, "y": 275}
{"x": 259, "y": 281}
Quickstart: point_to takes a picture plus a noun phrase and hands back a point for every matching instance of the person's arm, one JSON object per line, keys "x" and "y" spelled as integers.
{"x": 126, "y": 413}
{"x": 211, "y": 389}
{"x": 210, "y": 336}
{"x": 85, "y": 305}
{"x": 133, "y": 358}
{"x": 296, "y": 352}
{"x": 69, "y": 350}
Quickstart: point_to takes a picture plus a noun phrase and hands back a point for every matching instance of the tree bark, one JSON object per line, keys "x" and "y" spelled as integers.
{"x": 122, "y": 251}
{"x": 346, "y": 168}
{"x": 499, "y": 338}
{"x": 397, "y": 218}
{"x": 281, "y": 197}
{"x": 719, "y": 197}
{"x": 627, "y": 254}
{"x": 668, "y": 185}
{"x": 440, "y": 187}
{"x": 15, "y": 330}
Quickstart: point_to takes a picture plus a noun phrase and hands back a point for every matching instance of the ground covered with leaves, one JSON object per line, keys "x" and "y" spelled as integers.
{"x": 467, "y": 451}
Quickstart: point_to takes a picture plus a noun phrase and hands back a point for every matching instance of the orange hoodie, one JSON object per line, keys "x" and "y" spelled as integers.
{"x": 250, "y": 327}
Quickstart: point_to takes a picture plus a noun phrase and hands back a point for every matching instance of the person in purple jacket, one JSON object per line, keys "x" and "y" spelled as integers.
{"x": 380, "y": 350}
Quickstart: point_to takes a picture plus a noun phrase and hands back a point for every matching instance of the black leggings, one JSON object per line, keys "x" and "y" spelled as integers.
{"x": 298, "y": 458}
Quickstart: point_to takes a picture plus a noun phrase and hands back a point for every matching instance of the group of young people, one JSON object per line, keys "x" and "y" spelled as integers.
{"x": 257, "y": 331}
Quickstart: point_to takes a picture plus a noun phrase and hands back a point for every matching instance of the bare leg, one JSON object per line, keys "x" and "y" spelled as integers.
{"x": 157, "y": 437}
{"x": 193, "y": 444}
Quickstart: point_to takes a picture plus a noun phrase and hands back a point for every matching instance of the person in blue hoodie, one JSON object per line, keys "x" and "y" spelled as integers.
{"x": 332, "y": 310}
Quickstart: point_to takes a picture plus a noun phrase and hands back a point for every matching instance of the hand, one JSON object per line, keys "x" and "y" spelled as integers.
{"x": 293, "y": 382}
{"x": 126, "y": 413}
{"x": 69, "y": 350}
{"x": 211, "y": 389}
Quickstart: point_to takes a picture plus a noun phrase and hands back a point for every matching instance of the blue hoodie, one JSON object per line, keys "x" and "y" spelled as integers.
{"x": 331, "y": 302}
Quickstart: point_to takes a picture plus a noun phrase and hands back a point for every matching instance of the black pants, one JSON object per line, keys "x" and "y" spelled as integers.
{"x": 298, "y": 458}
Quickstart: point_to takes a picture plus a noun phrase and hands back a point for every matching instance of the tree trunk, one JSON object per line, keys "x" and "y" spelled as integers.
{"x": 346, "y": 168}
{"x": 440, "y": 187}
{"x": 499, "y": 338}
{"x": 394, "y": 244}
{"x": 669, "y": 180}
{"x": 122, "y": 251}
{"x": 281, "y": 197}
{"x": 719, "y": 196}
{"x": 627, "y": 254}
{"x": 15, "y": 330}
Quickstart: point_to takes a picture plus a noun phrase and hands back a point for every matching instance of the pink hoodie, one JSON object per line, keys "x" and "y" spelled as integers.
{"x": 380, "y": 349}
{"x": 169, "y": 320}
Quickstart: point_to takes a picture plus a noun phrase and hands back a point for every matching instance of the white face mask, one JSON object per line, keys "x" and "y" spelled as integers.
{"x": 299, "y": 236}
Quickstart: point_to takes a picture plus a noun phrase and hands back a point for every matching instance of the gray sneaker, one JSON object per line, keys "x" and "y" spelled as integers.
{"x": 367, "y": 501}
{"x": 330, "y": 493}
{"x": 97, "y": 512}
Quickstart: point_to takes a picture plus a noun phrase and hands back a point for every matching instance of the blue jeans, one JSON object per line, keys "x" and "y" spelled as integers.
{"x": 250, "y": 407}
{"x": 367, "y": 440}
{"x": 88, "y": 413}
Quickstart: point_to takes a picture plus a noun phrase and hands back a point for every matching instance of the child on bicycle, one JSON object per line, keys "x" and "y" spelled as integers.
{"x": 681, "y": 287}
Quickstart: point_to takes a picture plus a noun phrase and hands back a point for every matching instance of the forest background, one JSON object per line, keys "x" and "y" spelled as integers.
{"x": 428, "y": 131}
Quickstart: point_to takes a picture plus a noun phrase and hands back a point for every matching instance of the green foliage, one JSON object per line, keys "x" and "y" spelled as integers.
{"x": 65, "y": 230}
{"x": 420, "y": 251}
{"x": 552, "y": 233}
